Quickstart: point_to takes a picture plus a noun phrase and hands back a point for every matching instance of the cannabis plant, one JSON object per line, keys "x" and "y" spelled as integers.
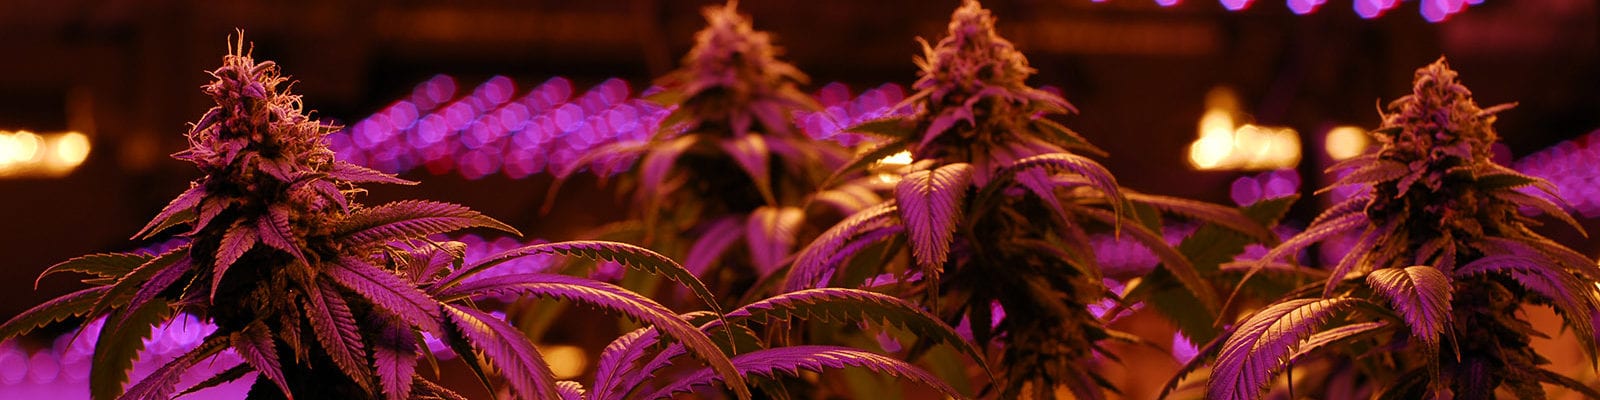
{"x": 997, "y": 215}
{"x": 1425, "y": 303}
{"x": 320, "y": 296}
{"x": 727, "y": 164}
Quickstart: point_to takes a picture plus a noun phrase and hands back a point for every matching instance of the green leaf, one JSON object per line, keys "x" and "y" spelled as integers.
{"x": 118, "y": 345}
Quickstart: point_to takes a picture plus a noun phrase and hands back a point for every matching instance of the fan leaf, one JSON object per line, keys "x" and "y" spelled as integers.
{"x": 790, "y": 361}
{"x": 930, "y": 204}
{"x": 1261, "y": 347}
{"x": 352, "y": 173}
{"x": 715, "y": 239}
{"x": 387, "y": 291}
{"x": 394, "y": 353}
{"x": 507, "y": 348}
{"x": 104, "y": 265}
{"x": 274, "y": 230}
{"x": 770, "y": 233}
{"x": 626, "y": 254}
{"x": 174, "y": 213}
{"x": 829, "y": 249}
{"x": 69, "y": 305}
{"x": 160, "y": 384}
{"x": 410, "y": 219}
{"x": 610, "y": 297}
{"x": 118, "y": 345}
{"x": 336, "y": 330}
{"x": 235, "y": 242}
{"x": 1421, "y": 294}
{"x": 254, "y": 345}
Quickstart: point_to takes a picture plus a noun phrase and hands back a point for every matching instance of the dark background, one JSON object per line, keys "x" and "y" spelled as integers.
{"x": 127, "y": 74}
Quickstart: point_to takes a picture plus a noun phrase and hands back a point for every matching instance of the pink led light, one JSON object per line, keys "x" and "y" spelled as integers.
{"x": 1235, "y": 5}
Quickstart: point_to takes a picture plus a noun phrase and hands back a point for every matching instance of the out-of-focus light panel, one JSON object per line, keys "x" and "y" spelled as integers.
{"x": 1345, "y": 142}
{"x": 28, "y": 154}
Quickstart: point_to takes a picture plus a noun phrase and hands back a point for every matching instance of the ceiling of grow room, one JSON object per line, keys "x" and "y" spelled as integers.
{"x": 125, "y": 75}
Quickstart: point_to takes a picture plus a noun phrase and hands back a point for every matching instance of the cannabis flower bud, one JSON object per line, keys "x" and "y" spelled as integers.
{"x": 733, "y": 75}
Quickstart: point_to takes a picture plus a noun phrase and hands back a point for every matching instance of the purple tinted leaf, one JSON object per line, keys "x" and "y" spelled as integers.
{"x": 849, "y": 198}
{"x": 1336, "y": 336}
{"x": 606, "y": 296}
{"x": 1380, "y": 170}
{"x": 790, "y": 361}
{"x": 254, "y": 345}
{"x": 386, "y": 291}
{"x": 628, "y": 255}
{"x": 134, "y": 280}
{"x": 846, "y": 305}
{"x": 1543, "y": 205}
{"x": 823, "y": 254}
{"x": 1359, "y": 256}
{"x": 618, "y": 359}
{"x": 358, "y": 174}
{"x": 335, "y": 327}
{"x": 330, "y": 191}
{"x": 569, "y": 390}
{"x": 227, "y": 375}
{"x": 274, "y": 230}
{"x": 770, "y": 233}
{"x": 410, "y": 219}
{"x": 68, "y": 305}
{"x": 718, "y": 235}
{"x": 394, "y": 353}
{"x": 106, "y": 265}
{"x": 509, "y": 350}
{"x": 184, "y": 202}
{"x": 210, "y": 208}
{"x": 239, "y": 239}
{"x": 1421, "y": 294}
{"x": 1097, "y": 175}
{"x": 930, "y": 204}
{"x": 1260, "y": 348}
{"x": 1171, "y": 259}
{"x": 750, "y": 152}
{"x": 160, "y": 282}
{"x": 160, "y": 384}
{"x": 655, "y": 168}
{"x": 1314, "y": 233}
{"x": 1570, "y": 295}
{"x": 1226, "y": 217}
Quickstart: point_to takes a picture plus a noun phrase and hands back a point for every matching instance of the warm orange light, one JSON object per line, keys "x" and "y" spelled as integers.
{"x": 1345, "y": 142}
{"x": 566, "y": 361}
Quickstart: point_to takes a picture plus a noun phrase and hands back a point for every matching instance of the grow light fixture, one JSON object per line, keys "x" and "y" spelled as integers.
{"x": 28, "y": 154}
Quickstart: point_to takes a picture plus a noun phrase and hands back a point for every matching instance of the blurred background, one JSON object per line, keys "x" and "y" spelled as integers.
{"x": 1226, "y": 101}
